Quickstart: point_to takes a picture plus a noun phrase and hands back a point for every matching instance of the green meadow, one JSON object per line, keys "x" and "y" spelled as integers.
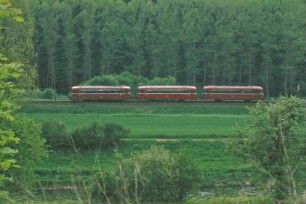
{"x": 201, "y": 132}
{"x": 148, "y": 121}
{"x": 157, "y": 125}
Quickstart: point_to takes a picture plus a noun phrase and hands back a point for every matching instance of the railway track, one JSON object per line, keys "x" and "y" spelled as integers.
{"x": 141, "y": 103}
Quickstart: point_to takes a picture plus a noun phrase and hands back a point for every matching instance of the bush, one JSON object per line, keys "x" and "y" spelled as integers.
{"x": 83, "y": 138}
{"x": 103, "y": 80}
{"x": 170, "y": 80}
{"x": 113, "y": 132}
{"x": 55, "y": 134}
{"x": 97, "y": 136}
{"x": 129, "y": 79}
{"x": 48, "y": 94}
{"x": 155, "y": 175}
{"x": 87, "y": 137}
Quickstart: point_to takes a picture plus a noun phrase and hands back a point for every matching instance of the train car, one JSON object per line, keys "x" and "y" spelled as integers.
{"x": 180, "y": 93}
{"x": 100, "y": 93}
{"x": 245, "y": 93}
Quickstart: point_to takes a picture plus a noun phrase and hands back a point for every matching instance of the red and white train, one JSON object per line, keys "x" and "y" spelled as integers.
{"x": 221, "y": 93}
{"x": 101, "y": 93}
{"x": 175, "y": 93}
{"x": 167, "y": 93}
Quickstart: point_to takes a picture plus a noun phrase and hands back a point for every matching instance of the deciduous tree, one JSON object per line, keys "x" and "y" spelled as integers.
{"x": 274, "y": 141}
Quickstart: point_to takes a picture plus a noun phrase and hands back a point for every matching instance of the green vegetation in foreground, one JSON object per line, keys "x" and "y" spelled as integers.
{"x": 179, "y": 123}
{"x": 217, "y": 166}
{"x": 155, "y": 126}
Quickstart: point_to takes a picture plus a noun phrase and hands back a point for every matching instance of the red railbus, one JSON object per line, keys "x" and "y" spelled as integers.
{"x": 246, "y": 93}
{"x": 100, "y": 93}
{"x": 167, "y": 93}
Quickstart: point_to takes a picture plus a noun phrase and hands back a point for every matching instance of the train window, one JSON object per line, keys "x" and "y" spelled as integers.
{"x": 166, "y": 91}
{"x": 105, "y": 91}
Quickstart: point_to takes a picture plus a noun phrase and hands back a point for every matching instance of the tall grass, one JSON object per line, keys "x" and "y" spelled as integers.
{"x": 216, "y": 165}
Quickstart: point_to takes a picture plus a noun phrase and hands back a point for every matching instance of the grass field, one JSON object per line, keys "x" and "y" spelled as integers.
{"x": 155, "y": 126}
{"x": 148, "y": 121}
{"x": 173, "y": 127}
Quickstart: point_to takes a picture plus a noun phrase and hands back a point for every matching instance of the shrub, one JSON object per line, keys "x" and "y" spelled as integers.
{"x": 155, "y": 175}
{"x": 103, "y": 80}
{"x": 98, "y": 136}
{"x": 55, "y": 134}
{"x": 48, "y": 94}
{"x": 127, "y": 78}
{"x": 113, "y": 132}
{"x": 87, "y": 137}
{"x": 170, "y": 80}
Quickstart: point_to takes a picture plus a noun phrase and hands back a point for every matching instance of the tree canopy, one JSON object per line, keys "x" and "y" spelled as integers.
{"x": 224, "y": 42}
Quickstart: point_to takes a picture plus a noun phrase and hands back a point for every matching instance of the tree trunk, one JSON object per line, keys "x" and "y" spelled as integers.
{"x": 267, "y": 79}
{"x": 70, "y": 77}
{"x": 240, "y": 72}
{"x": 52, "y": 70}
{"x": 213, "y": 71}
{"x": 204, "y": 71}
{"x": 89, "y": 63}
{"x": 286, "y": 82}
{"x": 250, "y": 68}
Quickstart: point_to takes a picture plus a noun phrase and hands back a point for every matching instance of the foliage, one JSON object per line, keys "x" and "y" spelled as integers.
{"x": 9, "y": 12}
{"x": 274, "y": 141}
{"x": 55, "y": 134}
{"x": 96, "y": 135}
{"x": 102, "y": 80}
{"x": 170, "y": 80}
{"x": 26, "y": 83}
{"x": 153, "y": 175}
{"x": 129, "y": 79}
{"x": 113, "y": 133}
{"x": 48, "y": 94}
{"x": 8, "y": 73}
{"x": 197, "y": 42}
{"x": 87, "y": 137}
{"x": 31, "y": 151}
{"x": 20, "y": 145}
{"x": 217, "y": 167}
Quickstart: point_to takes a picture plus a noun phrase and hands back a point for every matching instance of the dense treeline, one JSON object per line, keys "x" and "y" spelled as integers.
{"x": 224, "y": 42}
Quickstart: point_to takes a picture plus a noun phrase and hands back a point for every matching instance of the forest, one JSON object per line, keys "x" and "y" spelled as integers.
{"x": 224, "y": 42}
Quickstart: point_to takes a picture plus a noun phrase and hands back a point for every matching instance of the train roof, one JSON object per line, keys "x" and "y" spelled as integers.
{"x": 101, "y": 88}
{"x": 164, "y": 88}
{"x": 220, "y": 88}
